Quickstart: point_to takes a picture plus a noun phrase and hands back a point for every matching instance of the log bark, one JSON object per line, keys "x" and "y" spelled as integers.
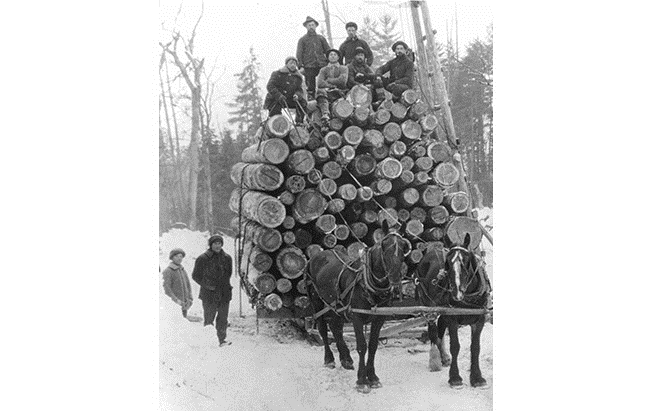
{"x": 399, "y": 111}
{"x": 264, "y": 283}
{"x": 333, "y": 140}
{"x": 268, "y": 239}
{"x": 391, "y": 132}
{"x": 428, "y": 123}
{"x": 459, "y": 227}
{"x": 302, "y": 287}
{"x": 361, "y": 116}
{"x": 409, "y": 97}
{"x": 363, "y": 165}
{"x": 373, "y": 138}
{"x": 433, "y": 234}
{"x": 397, "y": 149}
{"x": 421, "y": 177}
{"x": 416, "y": 151}
{"x": 314, "y": 176}
{"x": 407, "y": 163}
{"x": 418, "y": 213}
{"x": 415, "y": 256}
{"x": 315, "y": 139}
{"x": 303, "y": 238}
{"x": 431, "y": 196}
{"x": 260, "y": 260}
{"x": 283, "y": 285}
{"x": 359, "y": 96}
{"x": 260, "y": 207}
{"x": 327, "y": 187}
{"x": 457, "y": 202}
{"x": 277, "y": 126}
{"x": 321, "y": 155}
{"x": 298, "y": 137}
{"x": 288, "y": 300}
{"x": 353, "y": 135}
{"x": 389, "y": 202}
{"x": 336, "y": 205}
{"x": 263, "y": 177}
{"x": 340, "y": 249}
{"x": 403, "y": 215}
{"x": 273, "y": 302}
{"x": 355, "y": 250}
{"x": 289, "y": 223}
{"x": 414, "y": 228}
{"x": 345, "y": 154}
{"x": 341, "y": 232}
{"x": 377, "y": 235}
{"x": 342, "y": 109}
{"x": 438, "y": 215}
{"x": 446, "y": 174}
{"x": 301, "y": 161}
{"x": 347, "y": 192}
{"x": 389, "y": 214}
{"x": 273, "y": 151}
{"x": 424, "y": 163}
{"x": 381, "y": 187}
{"x": 409, "y": 196}
{"x": 313, "y": 249}
{"x": 390, "y": 168}
{"x": 308, "y": 206}
{"x": 418, "y": 110}
{"x": 291, "y": 262}
{"x": 439, "y": 152}
{"x": 331, "y": 170}
{"x": 381, "y": 117}
{"x": 411, "y": 130}
{"x": 329, "y": 240}
{"x": 286, "y": 197}
{"x": 369, "y": 217}
{"x": 326, "y": 223}
{"x": 295, "y": 184}
{"x": 302, "y": 302}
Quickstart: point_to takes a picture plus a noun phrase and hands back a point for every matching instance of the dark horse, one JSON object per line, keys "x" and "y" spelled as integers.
{"x": 454, "y": 279}
{"x": 338, "y": 284}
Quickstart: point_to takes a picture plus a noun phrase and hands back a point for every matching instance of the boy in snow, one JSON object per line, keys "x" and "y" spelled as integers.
{"x": 176, "y": 283}
{"x": 212, "y": 272}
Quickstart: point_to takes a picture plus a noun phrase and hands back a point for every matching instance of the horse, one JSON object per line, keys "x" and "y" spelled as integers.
{"x": 454, "y": 279}
{"x": 338, "y": 284}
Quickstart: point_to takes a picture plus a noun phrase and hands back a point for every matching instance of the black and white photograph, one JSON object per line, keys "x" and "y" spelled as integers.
{"x": 325, "y": 205}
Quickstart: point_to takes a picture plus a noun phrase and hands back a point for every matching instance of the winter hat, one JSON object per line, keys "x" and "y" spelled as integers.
{"x": 176, "y": 251}
{"x": 399, "y": 43}
{"x": 288, "y": 58}
{"x": 335, "y": 50}
{"x": 215, "y": 238}
{"x": 359, "y": 50}
{"x": 308, "y": 20}
{"x": 351, "y": 24}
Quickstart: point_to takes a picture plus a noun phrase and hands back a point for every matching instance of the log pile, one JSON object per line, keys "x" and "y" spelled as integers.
{"x": 302, "y": 189}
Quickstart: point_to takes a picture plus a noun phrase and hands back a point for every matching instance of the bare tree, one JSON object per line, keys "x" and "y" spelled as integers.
{"x": 327, "y": 17}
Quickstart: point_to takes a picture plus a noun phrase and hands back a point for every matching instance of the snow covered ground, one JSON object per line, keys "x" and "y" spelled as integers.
{"x": 275, "y": 370}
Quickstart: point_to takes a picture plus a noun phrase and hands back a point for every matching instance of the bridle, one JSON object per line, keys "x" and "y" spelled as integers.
{"x": 369, "y": 277}
{"x": 475, "y": 272}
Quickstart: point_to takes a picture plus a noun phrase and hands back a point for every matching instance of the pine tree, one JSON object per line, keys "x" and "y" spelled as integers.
{"x": 223, "y": 158}
{"x": 383, "y": 38}
{"x": 248, "y": 103}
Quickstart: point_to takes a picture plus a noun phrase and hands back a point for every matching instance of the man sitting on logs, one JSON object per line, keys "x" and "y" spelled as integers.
{"x": 401, "y": 71}
{"x": 331, "y": 84}
{"x": 359, "y": 71}
{"x": 285, "y": 88}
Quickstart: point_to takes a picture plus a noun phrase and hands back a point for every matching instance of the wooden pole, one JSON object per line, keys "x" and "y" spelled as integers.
{"x": 422, "y": 71}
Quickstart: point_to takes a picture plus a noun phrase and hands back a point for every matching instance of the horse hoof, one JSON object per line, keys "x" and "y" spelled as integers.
{"x": 457, "y": 384}
{"x": 446, "y": 361}
{"x": 376, "y": 384}
{"x": 363, "y": 388}
{"x": 330, "y": 365}
{"x": 347, "y": 365}
{"x": 479, "y": 383}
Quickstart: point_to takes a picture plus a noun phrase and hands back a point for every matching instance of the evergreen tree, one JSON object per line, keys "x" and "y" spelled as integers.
{"x": 223, "y": 158}
{"x": 248, "y": 104}
{"x": 383, "y": 38}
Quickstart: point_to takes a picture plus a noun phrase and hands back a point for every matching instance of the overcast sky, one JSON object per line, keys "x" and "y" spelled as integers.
{"x": 228, "y": 29}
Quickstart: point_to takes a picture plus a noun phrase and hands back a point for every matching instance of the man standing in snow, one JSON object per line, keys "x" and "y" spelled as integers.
{"x": 176, "y": 283}
{"x": 311, "y": 53}
{"x": 213, "y": 273}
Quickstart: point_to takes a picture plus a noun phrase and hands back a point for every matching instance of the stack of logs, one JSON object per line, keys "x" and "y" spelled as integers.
{"x": 302, "y": 190}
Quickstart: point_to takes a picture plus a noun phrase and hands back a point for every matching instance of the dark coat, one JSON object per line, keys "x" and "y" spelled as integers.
{"x": 347, "y": 49}
{"x": 401, "y": 71}
{"x": 311, "y": 51}
{"x": 355, "y": 68}
{"x": 213, "y": 273}
{"x": 176, "y": 284}
{"x": 284, "y": 82}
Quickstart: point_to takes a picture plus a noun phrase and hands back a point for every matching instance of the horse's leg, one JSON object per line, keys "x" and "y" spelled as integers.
{"x": 362, "y": 384}
{"x": 337, "y": 325}
{"x": 476, "y": 374}
{"x": 435, "y": 356}
{"x": 376, "y": 325}
{"x": 329, "y": 359}
{"x": 454, "y": 378}
{"x": 445, "y": 356}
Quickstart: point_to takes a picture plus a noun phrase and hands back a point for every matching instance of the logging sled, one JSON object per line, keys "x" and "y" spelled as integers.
{"x": 302, "y": 190}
